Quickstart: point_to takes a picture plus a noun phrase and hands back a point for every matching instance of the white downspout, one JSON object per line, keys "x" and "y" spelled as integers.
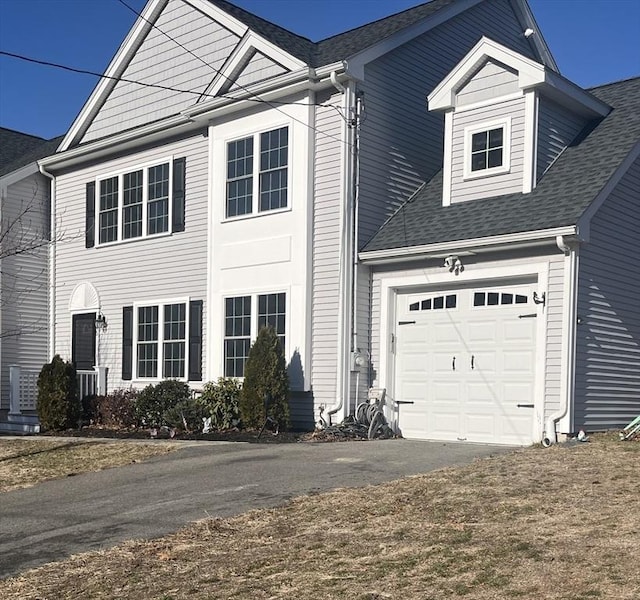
{"x": 569, "y": 311}
{"x": 344, "y": 287}
{"x": 52, "y": 261}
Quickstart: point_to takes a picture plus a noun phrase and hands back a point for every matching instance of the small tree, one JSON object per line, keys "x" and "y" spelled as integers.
{"x": 58, "y": 404}
{"x": 265, "y": 375}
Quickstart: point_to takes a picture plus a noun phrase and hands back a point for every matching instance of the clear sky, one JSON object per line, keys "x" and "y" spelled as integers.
{"x": 593, "y": 41}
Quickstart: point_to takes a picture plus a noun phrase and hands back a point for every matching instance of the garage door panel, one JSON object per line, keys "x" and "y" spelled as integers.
{"x": 480, "y": 428}
{"x": 444, "y": 424}
{"x": 445, "y": 392}
{"x": 518, "y": 393}
{"x": 481, "y": 332}
{"x": 485, "y": 392}
{"x": 518, "y": 362}
{"x": 519, "y": 330}
{"x": 413, "y": 334}
{"x": 447, "y": 331}
{"x": 483, "y": 362}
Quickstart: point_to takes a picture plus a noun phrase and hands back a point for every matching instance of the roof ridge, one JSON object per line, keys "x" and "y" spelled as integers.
{"x": 36, "y": 137}
{"x": 364, "y": 25}
{"x": 617, "y": 82}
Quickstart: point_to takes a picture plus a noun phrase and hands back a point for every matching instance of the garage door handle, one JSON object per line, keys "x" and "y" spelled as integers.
{"x": 472, "y": 361}
{"x": 453, "y": 363}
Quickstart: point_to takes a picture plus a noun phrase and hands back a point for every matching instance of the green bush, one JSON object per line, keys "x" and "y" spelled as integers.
{"x": 154, "y": 401}
{"x": 186, "y": 415}
{"x": 265, "y": 374}
{"x": 117, "y": 409}
{"x": 58, "y": 404}
{"x": 220, "y": 400}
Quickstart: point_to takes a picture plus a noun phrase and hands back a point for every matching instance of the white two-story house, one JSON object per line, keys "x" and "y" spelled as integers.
{"x": 227, "y": 172}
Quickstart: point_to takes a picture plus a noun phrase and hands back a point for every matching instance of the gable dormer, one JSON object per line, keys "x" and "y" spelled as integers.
{"x": 507, "y": 118}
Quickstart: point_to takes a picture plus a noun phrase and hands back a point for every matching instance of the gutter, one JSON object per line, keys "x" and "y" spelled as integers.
{"x": 569, "y": 311}
{"x": 526, "y": 238}
{"x": 52, "y": 260}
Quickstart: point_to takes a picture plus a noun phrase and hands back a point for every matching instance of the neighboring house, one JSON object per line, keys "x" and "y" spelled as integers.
{"x": 24, "y": 284}
{"x": 235, "y": 188}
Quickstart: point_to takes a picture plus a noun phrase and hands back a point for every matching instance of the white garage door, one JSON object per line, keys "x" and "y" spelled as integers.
{"x": 465, "y": 362}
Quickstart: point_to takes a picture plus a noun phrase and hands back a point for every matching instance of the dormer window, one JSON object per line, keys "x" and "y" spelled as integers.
{"x": 486, "y": 149}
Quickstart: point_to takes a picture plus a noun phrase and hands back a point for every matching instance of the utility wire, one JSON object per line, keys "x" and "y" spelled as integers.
{"x": 255, "y": 97}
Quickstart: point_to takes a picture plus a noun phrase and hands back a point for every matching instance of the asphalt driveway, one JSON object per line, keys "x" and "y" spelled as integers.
{"x": 97, "y": 510}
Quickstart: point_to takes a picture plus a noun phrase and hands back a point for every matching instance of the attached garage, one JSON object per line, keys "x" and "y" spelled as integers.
{"x": 463, "y": 360}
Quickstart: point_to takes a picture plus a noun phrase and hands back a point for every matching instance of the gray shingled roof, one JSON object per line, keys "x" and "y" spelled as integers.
{"x": 24, "y": 152}
{"x": 560, "y": 198}
{"x": 340, "y": 46}
{"x": 14, "y": 144}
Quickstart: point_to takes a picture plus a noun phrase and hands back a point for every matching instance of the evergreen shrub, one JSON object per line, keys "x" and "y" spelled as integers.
{"x": 154, "y": 401}
{"x": 58, "y": 404}
{"x": 265, "y": 375}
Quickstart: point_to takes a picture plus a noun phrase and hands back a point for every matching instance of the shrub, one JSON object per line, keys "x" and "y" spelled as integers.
{"x": 186, "y": 415}
{"x": 58, "y": 404}
{"x": 220, "y": 400}
{"x": 117, "y": 409}
{"x": 154, "y": 401}
{"x": 265, "y": 374}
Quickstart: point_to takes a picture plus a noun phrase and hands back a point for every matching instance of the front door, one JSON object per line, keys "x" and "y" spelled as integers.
{"x": 83, "y": 350}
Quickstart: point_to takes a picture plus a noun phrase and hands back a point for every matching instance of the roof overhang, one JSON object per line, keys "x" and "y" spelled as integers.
{"x": 531, "y": 75}
{"x": 469, "y": 246}
{"x": 19, "y": 174}
{"x": 195, "y": 117}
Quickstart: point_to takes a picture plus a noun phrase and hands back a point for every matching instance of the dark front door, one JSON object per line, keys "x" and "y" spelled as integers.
{"x": 83, "y": 351}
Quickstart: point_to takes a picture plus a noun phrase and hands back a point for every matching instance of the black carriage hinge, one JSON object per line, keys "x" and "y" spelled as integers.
{"x": 529, "y": 316}
{"x": 406, "y": 322}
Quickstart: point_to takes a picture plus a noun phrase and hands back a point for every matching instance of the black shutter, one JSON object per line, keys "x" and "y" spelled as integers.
{"x": 89, "y": 239}
{"x": 127, "y": 342}
{"x": 178, "y": 194}
{"x": 195, "y": 340}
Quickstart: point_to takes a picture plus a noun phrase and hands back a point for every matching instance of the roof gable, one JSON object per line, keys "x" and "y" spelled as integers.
{"x": 167, "y": 63}
{"x": 531, "y": 74}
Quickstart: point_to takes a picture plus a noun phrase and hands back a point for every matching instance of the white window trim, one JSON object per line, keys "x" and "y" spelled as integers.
{"x": 505, "y": 124}
{"x": 255, "y": 202}
{"x": 144, "y": 167}
{"x": 253, "y": 331}
{"x": 160, "y": 304}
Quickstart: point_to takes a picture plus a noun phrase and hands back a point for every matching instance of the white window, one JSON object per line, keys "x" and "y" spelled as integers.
{"x": 160, "y": 340}
{"x": 241, "y": 326}
{"x": 267, "y": 155}
{"x": 486, "y": 149}
{"x": 135, "y": 203}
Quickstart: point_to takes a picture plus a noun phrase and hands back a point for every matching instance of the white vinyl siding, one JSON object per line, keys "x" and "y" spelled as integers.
{"x": 401, "y": 142}
{"x": 491, "y": 81}
{"x": 608, "y": 337}
{"x": 159, "y": 60}
{"x": 132, "y": 273}
{"x": 464, "y": 189}
{"x": 24, "y": 279}
{"x": 326, "y": 252}
{"x": 259, "y": 68}
{"x": 557, "y": 128}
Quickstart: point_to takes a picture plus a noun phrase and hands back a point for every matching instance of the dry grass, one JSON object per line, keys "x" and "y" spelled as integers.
{"x": 560, "y": 523}
{"x": 25, "y": 462}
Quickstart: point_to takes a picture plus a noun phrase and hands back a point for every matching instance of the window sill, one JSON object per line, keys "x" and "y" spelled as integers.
{"x": 155, "y": 236}
{"x": 471, "y": 176}
{"x": 256, "y": 215}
